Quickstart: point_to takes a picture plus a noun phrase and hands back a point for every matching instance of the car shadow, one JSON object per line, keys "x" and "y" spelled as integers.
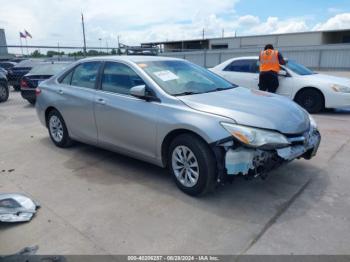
{"x": 333, "y": 111}
{"x": 253, "y": 200}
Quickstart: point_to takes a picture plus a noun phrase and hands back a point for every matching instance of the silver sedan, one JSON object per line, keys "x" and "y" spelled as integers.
{"x": 175, "y": 114}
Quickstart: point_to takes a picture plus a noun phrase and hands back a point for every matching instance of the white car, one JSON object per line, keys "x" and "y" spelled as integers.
{"x": 312, "y": 91}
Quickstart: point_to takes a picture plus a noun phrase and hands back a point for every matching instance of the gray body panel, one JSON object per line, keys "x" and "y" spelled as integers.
{"x": 253, "y": 108}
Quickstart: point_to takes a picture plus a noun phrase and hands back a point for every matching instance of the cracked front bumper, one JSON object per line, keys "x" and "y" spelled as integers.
{"x": 244, "y": 161}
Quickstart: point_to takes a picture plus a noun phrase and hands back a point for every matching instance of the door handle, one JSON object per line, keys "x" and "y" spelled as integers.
{"x": 60, "y": 91}
{"x": 101, "y": 101}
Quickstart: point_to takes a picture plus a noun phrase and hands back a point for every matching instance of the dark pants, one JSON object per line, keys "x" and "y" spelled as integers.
{"x": 268, "y": 81}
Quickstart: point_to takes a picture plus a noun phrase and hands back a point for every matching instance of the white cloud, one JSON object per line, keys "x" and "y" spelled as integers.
{"x": 248, "y": 20}
{"x": 276, "y": 25}
{"x": 340, "y": 21}
{"x": 45, "y": 19}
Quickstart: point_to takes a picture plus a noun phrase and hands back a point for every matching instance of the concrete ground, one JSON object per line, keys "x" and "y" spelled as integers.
{"x": 97, "y": 202}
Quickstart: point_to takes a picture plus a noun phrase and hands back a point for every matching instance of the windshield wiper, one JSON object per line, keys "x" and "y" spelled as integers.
{"x": 220, "y": 89}
{"x": 186, "y": 93}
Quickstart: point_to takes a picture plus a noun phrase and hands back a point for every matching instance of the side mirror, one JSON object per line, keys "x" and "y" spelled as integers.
{"x": 138, "y": 91}
{"x": 142, "y": 93}
{"x": 283, "y": 73}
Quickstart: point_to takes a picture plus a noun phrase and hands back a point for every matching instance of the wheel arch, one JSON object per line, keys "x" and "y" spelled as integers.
{"x": 170, "y": 137}
{"x": 47, "y": 112}
{"x": 310, "y": 88}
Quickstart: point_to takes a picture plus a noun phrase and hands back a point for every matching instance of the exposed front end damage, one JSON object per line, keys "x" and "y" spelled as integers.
{"x": 234, "y": 158}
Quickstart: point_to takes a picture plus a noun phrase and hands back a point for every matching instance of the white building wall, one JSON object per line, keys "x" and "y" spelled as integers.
{"x": 302, "y": 39}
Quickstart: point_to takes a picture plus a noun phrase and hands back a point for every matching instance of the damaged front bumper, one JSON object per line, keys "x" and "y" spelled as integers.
{"x": 241, "y": 160}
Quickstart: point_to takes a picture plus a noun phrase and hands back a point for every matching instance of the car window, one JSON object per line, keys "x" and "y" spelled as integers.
{"x": 119, "y": 78}
{"x": 48, "y": 68}
{"x": 67, "y": 79}
{"x": 85, "y": 75}
{"x": 243, "y": 66}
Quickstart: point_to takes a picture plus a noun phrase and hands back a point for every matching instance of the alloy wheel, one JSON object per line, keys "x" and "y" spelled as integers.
{"x": 56, "y": 128}
{"x": 185, "y": 166}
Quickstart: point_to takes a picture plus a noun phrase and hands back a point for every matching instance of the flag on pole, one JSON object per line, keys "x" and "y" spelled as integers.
{"x": 27, "y": 34}
{"x": 21, "y": 35}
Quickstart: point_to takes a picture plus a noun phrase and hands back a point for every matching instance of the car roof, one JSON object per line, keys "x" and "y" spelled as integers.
{"x": 245, "y": 57}
{"x": 134, "y": 59}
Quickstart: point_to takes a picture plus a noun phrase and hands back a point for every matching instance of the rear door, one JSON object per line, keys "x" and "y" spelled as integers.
{"x": 242, "y": 72}
{"x": 76, "y": 101}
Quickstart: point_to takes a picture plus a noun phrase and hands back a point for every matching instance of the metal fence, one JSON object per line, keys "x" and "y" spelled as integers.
{"x": 321, "y": 57}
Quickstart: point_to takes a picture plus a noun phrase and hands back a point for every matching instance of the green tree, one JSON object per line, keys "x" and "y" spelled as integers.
{"x": 36, "y": 53}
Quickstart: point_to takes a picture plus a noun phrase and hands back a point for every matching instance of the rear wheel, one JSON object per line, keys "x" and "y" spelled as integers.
{"x": 4, "y": 93}
{"x": 192, "y": 165}
{"x": 58, "y": 130}
{"x": 310, "y": 99}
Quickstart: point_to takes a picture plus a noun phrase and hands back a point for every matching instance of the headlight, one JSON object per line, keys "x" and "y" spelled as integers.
{"x": 256, "y": 137}
{"x": 340, "y": 88}
{"x": 312, "y": 122}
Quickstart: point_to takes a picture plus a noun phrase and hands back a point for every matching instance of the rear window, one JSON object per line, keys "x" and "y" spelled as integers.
{"x": 28, "y": 63}
{"x": 48, "y": 68}
{"x": 243, "y": 66}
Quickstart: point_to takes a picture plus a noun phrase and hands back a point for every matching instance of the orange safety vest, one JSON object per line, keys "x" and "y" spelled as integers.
{"x": 269, "y": 61}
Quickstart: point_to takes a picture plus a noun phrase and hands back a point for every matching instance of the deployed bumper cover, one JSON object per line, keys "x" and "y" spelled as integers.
{"x": 244, "y": 161}
{"x": 16, "y": 208}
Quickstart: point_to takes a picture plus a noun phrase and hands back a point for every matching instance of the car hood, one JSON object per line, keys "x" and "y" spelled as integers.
{"x": 252, "y": 108}
{"x": 329, "y": 79}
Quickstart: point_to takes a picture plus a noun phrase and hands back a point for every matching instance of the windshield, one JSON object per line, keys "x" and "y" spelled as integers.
{"x": 184, "y": 78}
{"x": 299, "y": 69}
{"x": 48, "y": 68}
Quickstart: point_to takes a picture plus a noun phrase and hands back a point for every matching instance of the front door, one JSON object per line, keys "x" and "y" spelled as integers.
{"x": 124, "y": 122}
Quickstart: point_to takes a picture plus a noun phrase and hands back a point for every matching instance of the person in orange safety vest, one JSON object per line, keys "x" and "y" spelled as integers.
{"x": 270, "y": 61}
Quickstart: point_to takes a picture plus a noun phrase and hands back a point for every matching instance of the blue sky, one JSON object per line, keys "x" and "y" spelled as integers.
{"x": 136, "y": 21}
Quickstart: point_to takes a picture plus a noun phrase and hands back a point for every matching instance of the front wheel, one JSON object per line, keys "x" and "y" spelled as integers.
{"x": 192, "y": 165}
{"x": 310, "y": 99}
{"x": 58, "y": 130}
{"x": 4, "y": 93}
{"x": 17, "y": 88}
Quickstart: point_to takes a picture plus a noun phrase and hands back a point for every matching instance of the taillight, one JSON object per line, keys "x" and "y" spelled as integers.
{"x": 24, "y": 84}
{"x": 37, "y": 91}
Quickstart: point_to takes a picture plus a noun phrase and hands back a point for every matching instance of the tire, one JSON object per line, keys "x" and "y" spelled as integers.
{"x": 310, "y": 99}
{"x": 17, "y": 88}
{"x": 4, "y": 93}
{"x": 202, "y": 157}
{"x": 31, "y": 101}
{"x": 57, "y": 130}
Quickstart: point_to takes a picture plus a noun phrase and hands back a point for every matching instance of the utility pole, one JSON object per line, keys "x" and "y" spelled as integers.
{"x": 100, "y": 39}
{"x": 203, "y": 33}
{"x": 83, "y": 25}
{"x": 107, "y": 46}
{"x": 118, "y": 37}
{"x": 223, "y": 33}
